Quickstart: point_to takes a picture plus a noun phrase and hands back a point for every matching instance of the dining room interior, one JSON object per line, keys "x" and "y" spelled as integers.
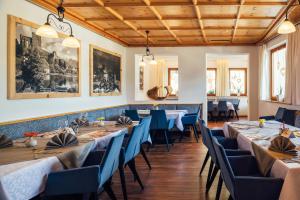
{"x": 149, "y": 99}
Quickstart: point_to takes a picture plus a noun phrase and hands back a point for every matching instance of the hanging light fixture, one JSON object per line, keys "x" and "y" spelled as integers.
{"x": 287, "y": 26}
{"x": 48, "y": 31}
{"x": 148, "y": 53}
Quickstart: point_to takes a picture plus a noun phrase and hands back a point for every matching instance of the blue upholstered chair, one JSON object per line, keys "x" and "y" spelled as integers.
{"x": 222, "y": 109}
{"x": 278, "y": 116}
{"x": 145, "y": 138}
{"x": 128, "y": 154}
{"x": 159, "y": 122}
{"x": 133, "y": 114}
{"x": 231, "y": 149}
{"x": 243, "y": 179}
{"x": 190, "y": 121}
{"x": 87, "y": 180}
{"x": 210, "y": 109}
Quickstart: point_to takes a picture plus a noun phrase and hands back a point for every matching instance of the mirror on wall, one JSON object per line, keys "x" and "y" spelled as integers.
{"x": 157, "y": 81}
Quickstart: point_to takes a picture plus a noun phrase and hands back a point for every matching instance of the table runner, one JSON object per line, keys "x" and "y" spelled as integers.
{"x": 249, "y": 133}
{"x": 25, "y": 180}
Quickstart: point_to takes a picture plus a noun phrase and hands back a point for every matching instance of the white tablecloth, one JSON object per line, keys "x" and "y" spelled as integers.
{"x": 25, "y": 180}
{"x": 290, "y": 172}
{"x": 229, "y": 105}
{"x": 171, "y": 114}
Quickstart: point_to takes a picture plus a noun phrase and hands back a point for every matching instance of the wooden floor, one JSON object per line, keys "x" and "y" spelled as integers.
{"x": 174, "y": 174}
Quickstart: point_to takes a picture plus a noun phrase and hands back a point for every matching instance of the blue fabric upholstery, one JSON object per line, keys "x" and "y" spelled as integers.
{"x": 141, "y": 107}
{"x": 146, "y": 135}
{"x": 279, "y": 114}
{"x": 191, "y": 108}
{"x": 132, "y": 114}
{"x": 87, "y": 179}
{"x": 222, "y": 106}
{"x": 297, "y": 119}
{"x": 159, "y": 120}
{"x": 190, "y": 120}
{"x": 167, "y": 106}
{"x": 289, "y": 117}
{"x": 242, "y": 178}
{"x": 133, "y": 146}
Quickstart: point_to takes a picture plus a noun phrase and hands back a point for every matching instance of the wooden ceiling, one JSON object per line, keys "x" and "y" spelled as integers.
{"x": 177, "y": 22}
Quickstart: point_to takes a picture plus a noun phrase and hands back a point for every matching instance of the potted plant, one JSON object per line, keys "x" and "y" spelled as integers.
{"x": 101, "y": 121}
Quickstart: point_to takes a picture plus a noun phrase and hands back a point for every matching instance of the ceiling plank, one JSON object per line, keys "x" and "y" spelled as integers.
{"x": 276, "y": 22}
{"x": 121, "y": 18}
{"x": 199, "y": 17}
{"x": 74, "y": 17}
{"x": 174, "y": 28}
{"x": 156, "y": 13}
{"x": 237, "y": 19}
{"x": 192, "y": 36}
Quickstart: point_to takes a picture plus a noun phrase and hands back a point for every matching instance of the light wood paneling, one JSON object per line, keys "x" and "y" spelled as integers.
{"x": 177, "y": 19}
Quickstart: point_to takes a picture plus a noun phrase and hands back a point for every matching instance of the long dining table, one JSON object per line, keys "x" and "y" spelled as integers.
{"x": 257, "y": 140}
{"x": 23, "y": 170}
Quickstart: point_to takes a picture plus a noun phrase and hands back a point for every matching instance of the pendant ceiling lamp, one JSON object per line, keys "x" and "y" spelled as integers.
{"x": 287, "y": 26}
{"x": 148, "y": 53}
{"x": 47, "y": 30}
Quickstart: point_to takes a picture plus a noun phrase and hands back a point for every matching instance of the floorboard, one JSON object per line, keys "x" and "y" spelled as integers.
{"x": 174, "y": 174}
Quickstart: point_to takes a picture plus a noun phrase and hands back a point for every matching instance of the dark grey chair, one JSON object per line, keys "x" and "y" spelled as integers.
{"x": 222, "y": 110}
{"x": 210, "y": 110}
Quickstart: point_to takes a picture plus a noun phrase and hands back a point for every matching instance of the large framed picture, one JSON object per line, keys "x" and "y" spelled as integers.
{"x": 40, "y": 67}
{"x": 105, "y": 72}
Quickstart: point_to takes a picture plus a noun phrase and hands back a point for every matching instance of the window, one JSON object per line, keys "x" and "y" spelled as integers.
{"x": 173, "y": 80}
{"x": 211, "y": 78}
{"x": 238, "y": 81}
{"x": 278, "y": 72}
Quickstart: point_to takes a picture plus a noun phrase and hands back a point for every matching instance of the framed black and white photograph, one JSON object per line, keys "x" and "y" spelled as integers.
{"x": 105, "y": 72}
{"x": 40, "y": 67}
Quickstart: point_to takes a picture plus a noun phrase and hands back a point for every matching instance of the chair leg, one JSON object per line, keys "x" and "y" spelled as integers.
{"x": 212, "y": 178}
{"x": 195, "y": 133}
{"x": 237, "y": 116}
{"x": 219, "y": 189}
{"x": 145, "y": 157}
{"x": 204, "y": 163}
{"x": 132, "y": 166}
{"x": 123, "y": 183}
{"x": 167, "y": 140}
{"x": 211, "y": 165}
{"x": 108, "y": 190}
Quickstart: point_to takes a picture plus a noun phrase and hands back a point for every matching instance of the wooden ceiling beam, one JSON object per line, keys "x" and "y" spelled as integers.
{"x": 189, "y": 36}
{"x": 212, "y": 17}
{"x": 199, "y": 18}
{"x": 175, "y": 28}
{"x": 121, "y": 18}
{"x": 237, "y": 19}
{"x": 276, "y": 22}
{"x": 159, "y": 17}
{"x": 175, "y": 3}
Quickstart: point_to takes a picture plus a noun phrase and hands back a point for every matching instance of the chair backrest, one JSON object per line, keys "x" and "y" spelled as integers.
{"x": 226, "y": 170}
{"x": 289, "y": 117}
{"x": 147, "y": 122}
{"x": 208, "y": 138}
{"x": 279, "y": 114}
{"x": 110, "y": 161}
{"x": 159, "y": 120}
{"x": 134, "y": 142}
{"x": 133, "y": 114}
{"x": 222, "y": 106}
{"x": 210, "y": 106}
{"x": 236, "y": 103}
{"x": 202, "y": 130}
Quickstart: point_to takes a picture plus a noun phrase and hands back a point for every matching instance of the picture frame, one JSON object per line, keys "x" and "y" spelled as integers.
{"x": 105, "y": 72}
{"x": 40, "y": 67}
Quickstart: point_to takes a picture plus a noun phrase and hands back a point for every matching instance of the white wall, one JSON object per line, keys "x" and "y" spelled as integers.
{"x": 192, "y": 72}
{"x": 268, "y": 107}
{"x": 19, "y": 109}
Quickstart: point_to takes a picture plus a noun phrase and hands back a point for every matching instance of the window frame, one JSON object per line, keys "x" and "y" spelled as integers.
{"x": 272, "y": 51}
{"x": 169, "y": 77}
{"x": 215, "y": 70}
{"x": 246, "y": 81}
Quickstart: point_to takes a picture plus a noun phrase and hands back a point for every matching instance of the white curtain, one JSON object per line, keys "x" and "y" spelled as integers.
{"x": 264, "y": 69}
{"x": 157, "y": 74}
{"x": 292, "y": 86}
{"x": 222, "y": 87}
